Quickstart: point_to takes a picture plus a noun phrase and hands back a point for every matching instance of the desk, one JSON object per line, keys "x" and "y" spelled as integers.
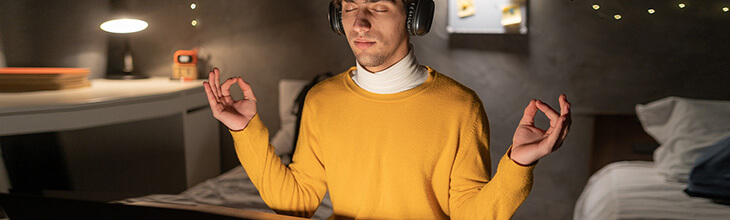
{"x": 109, "y": 102}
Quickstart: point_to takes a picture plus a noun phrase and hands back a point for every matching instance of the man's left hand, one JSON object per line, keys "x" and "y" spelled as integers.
{"x": 531, "y": 143}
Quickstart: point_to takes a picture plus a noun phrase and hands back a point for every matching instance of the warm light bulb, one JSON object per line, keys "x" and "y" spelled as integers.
{"x": 193, "y": 6}
{"x": 652, "y": 11}
{"x": 725, "y": 9}
{"x": 123, "y": 26}
{"x": 682, "y": 5}
{"x": 596, "y": 7}
{"x": 194, "y": 23}
{"x": 617, "y": 17}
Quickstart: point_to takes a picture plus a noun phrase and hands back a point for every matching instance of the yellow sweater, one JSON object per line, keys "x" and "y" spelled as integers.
{"x": 418, "y": 154}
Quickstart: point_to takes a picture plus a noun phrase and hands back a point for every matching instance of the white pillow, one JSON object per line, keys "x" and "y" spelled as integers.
{"x": 283, "y": 140}
{"x": 683, "y": 127}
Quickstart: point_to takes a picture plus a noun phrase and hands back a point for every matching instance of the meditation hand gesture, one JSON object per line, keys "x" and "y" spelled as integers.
{"x": 531, "y": 143}
{"x": 232, "y": 113}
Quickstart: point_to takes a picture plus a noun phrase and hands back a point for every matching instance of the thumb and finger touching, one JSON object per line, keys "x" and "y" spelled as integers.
{"x": 559, "y": 122}
{"x": 226, "y": 90}
{"x": 246, "y": 89}
{"x": 234, "y": 114}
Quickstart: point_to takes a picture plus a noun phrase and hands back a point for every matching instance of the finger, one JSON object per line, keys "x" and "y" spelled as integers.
{"x": 246, "y": 89}
{"x": 549, "y": 111}
{"x": 564, "y": 105}
{"x": 211, "y": 79}
{"x": 564, "y": 131}
{"x": 226, "y": 90}
{"x": 217, "y": 74}
{"x": 565, "y": 114}
{"x": 554, "y": 140}
{"x": 566, "y": 126}
{"x": 528, "y": 117}
{"x": 211, "y": 98}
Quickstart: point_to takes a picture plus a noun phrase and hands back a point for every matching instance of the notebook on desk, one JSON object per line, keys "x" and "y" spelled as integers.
{"x": 19, "y": 207}
{"x": 26, "y": 79}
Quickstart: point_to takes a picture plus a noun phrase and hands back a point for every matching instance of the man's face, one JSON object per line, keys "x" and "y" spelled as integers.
{"x": 376, "y": 32}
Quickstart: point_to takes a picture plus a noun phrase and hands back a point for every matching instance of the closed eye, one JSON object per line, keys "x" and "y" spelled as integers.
{"x": 348, "y": 7}
{"x": 380, "y": 9}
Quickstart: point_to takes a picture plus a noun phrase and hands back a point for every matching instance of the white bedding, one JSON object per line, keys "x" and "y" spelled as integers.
{"x": 636, "y": 190}
{"x": 232, "y": 189}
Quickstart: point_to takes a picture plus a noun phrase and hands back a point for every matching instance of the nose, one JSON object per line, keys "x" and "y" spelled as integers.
{"x": 362, "y": 21}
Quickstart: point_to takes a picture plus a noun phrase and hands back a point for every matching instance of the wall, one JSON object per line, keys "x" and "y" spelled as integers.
{"x": 603, "y": 65}
{"x": 39, "y": 33}
{"x": 2, "y": 54}
{"x": 261, "y": 41}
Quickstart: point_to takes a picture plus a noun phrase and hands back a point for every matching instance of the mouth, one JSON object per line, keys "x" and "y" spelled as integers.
{"x": 363, "y": 44}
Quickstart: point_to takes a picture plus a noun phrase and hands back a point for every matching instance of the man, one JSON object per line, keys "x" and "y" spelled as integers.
{"x": 388, "y": 138}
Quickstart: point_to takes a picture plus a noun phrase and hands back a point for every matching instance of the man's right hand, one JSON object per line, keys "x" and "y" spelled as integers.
{"x": 232, "y": 113}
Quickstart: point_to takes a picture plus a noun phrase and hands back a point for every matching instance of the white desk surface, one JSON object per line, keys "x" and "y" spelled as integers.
{"x": 100, "y": 91}
{"x": 104, "y": 102}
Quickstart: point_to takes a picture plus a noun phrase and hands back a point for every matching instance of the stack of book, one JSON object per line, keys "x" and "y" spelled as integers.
{"x": 25, "y": 79}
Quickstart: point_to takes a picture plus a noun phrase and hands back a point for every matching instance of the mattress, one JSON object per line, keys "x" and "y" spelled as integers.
{"x": 635, "y": 190}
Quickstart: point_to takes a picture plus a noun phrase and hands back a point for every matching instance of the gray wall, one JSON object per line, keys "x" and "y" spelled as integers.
{"x": 2, "y": 54}
{"x": 38, "y": 33}
{"x": 603, "y": 65}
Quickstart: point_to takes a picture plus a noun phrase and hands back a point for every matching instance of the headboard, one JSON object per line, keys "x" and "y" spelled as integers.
{"x": 617, "y": 138}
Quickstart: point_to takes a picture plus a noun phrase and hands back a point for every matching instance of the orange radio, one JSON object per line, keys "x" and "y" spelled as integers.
{"x": 186, "y": 65}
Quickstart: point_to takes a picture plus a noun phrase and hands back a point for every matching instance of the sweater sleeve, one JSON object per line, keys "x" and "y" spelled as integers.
{"x": 472, "y": 194}
{"x": 285, "y": 189}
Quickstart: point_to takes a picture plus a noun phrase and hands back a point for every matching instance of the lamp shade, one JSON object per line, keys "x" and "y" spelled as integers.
{"x": 123, "y": 26}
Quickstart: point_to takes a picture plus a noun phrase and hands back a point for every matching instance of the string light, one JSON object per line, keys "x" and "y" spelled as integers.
{"x": 652, "y": 11}
{"x": 194, "y": 22}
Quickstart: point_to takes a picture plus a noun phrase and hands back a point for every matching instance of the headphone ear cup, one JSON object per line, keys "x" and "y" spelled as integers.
{"x": 410, "y": 10}
{"x": 420, "y": 17}
{"x": 335, "y": 17}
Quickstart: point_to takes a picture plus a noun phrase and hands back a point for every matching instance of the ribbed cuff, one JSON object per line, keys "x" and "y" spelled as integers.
{"x": 513, "y": 170}
{"x": 255, "y": 128}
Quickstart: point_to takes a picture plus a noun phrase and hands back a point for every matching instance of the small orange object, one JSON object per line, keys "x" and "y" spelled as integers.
{"x": 186, "y": 65}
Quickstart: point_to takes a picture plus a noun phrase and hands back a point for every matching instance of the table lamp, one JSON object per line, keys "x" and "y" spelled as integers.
{"x": 125, "y": 26}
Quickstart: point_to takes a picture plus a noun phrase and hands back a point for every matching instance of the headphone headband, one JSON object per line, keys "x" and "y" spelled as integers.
{"x": 418, "y": 22}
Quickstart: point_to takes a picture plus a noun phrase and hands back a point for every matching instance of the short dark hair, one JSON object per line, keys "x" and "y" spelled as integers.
{"x": 338, "y": 3}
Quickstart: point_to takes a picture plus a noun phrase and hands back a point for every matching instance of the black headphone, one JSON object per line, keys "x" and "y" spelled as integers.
{"x": 418, "y": 23}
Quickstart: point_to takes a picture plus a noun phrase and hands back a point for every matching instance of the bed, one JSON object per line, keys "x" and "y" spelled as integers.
{"x": 691, "y": 159}
{"x": 233, "y": 188}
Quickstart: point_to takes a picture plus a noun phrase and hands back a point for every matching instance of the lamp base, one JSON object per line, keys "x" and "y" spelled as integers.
{"x": 125, "y": 77}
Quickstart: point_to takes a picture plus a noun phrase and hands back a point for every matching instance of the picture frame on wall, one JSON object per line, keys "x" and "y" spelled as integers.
{"x": 487, "y": 17}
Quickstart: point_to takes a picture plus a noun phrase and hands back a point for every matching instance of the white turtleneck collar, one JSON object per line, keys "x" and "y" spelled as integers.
{"x": 403, "y": 75}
